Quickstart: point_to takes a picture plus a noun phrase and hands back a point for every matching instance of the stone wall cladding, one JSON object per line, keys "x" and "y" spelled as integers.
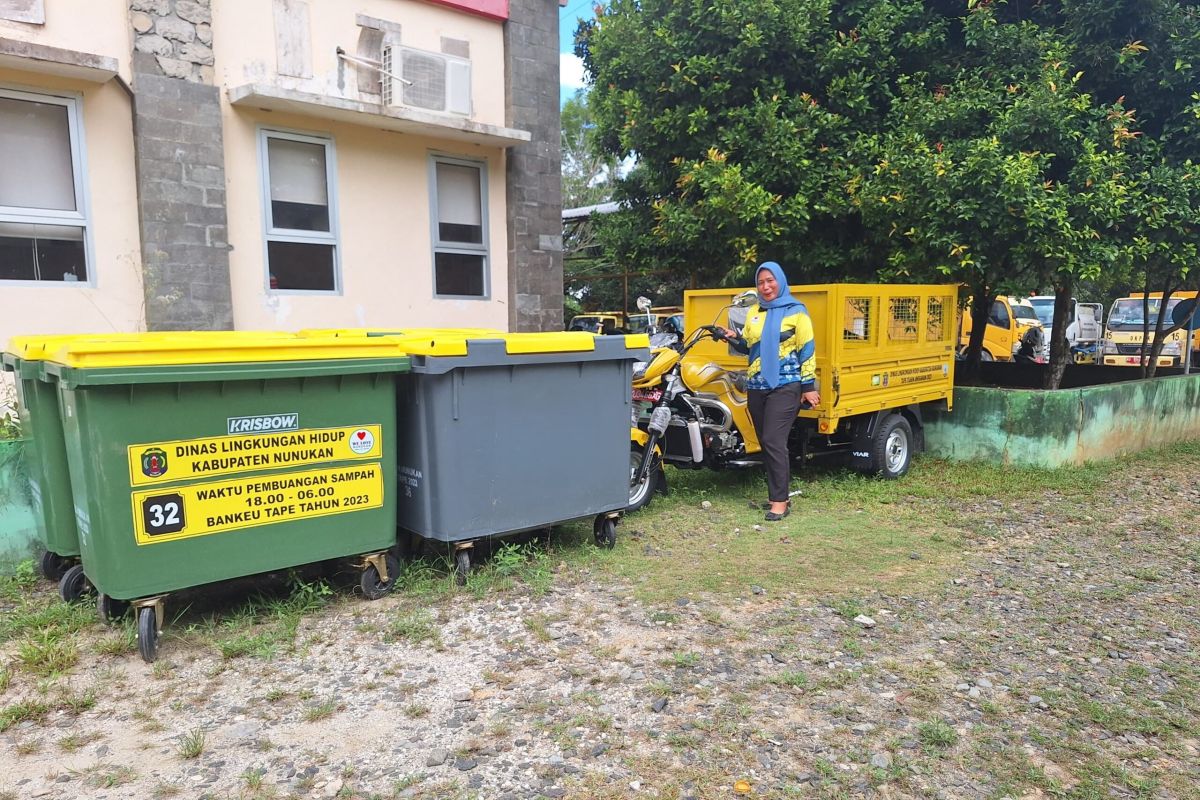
{"x": 173, "y": 38}
{"x": 180, "y": 168}
{"x": 534, "y": 169}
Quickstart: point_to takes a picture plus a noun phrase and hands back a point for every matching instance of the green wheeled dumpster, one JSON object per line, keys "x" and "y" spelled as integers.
{"x": 202, "y": 460}
{"x": 41, "y": 421}
{"x": 502, "y": 433}
{"x": 46, "y": 453}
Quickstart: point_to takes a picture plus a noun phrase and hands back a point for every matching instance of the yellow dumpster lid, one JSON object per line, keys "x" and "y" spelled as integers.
{"x": 241, "y": 347}
{"x": 448, "y": 342}
{"x": 39, "y": 347}
{"x": 472, "y": 333}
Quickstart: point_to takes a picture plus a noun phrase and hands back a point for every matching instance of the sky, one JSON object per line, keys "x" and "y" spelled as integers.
{"x": 570, "y": 68}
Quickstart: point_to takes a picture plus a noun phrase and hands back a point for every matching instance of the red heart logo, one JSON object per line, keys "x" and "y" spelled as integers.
{"x": 362, "y": 434}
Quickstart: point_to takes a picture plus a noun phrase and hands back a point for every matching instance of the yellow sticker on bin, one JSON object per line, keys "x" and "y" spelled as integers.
{"x": 169, "y": 514}
{"x": 185, "y": 459}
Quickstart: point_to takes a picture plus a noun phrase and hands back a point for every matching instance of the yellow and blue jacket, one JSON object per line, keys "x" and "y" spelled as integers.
{"x": 797, "y": 350}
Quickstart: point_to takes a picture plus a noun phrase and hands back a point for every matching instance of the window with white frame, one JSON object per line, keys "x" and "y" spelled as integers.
{"x": 300, "y": 212}
{"x": 43, "y": 213}
{"x": 460, "y": 240}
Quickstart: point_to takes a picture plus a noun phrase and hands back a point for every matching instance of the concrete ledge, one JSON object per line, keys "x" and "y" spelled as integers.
{"x": 44, "y": 60}
{"x": 1068, "y": 426}
{"x": 274, "y": 98}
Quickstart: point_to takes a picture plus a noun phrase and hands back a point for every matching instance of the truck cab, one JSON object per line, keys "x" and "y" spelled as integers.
{"x": 1123, "y": 333}
{"x": 1008, "y": 320}
{"x": 1088, "y": 319}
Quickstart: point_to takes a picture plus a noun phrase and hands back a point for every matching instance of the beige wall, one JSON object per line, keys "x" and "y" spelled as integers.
{"x": 99, "y": 27}
{"x": 114, "y": 301}
{"x": 382, "y": 185}
{"x": 244, "y": 46}
{"x": 383, "y": 210}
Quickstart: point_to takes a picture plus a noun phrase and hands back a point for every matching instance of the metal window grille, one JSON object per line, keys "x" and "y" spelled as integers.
{"x": 856, "y": 325}
{"x": 935, "y": 319}
{"x": 902, "y": 318}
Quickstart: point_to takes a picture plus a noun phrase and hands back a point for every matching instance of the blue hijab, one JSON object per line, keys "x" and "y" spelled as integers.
{"x": 783, "y": 305}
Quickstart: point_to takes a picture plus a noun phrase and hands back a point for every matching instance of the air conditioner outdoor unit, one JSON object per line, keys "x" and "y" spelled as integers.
{"x": 432, "y": 81}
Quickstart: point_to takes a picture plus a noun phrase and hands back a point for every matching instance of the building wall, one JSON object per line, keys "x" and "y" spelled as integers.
{"x": 382, "y": 177}
{"x": 113, "y": 301}
{"x": 534, "y": 184}
{"x": 384, "y": 220}
{"x": 173, "y": 180}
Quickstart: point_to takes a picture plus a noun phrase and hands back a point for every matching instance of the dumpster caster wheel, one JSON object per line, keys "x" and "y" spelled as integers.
{"x": 147, "y": 633}
{"x": 73, "y": 584}
{"x": 53, "y": 566}
{"x": 374, "y": 587}
{"x": 462, "y": 565}
{"x": 111, "y": 610}
{"x": 605, "y": 531}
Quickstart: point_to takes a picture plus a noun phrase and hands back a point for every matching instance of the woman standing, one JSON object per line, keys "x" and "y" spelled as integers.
{"x": 778, "y": 337}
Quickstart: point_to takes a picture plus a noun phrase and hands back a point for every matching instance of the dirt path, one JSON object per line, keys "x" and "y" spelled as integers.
{"x": 1058, "y": 660}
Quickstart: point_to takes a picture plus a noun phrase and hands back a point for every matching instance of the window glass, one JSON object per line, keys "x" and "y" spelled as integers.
{"x": 36, "y": 169}
{"x": 460, "y": 218}
{"x": 300, "y": 265}
{"x": 458, "y": 273}
{"x": 43, "y": 223}
{"x": 301, "y": 231}
{"x": 299, "y": 195}
{"x": 460, "y": 257}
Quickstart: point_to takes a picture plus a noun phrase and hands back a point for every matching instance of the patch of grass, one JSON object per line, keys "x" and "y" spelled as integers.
{"x": 28, "y": 710}
{"x": 191, "y": 744}
{"x": 414, "y": 626}
{"x": 104, "y": 776}
{"x": 75, "y": 741}
{"x": 165, "y": 790}
{"x": 47, "y": 653}
{"x": 934, "y": 735}
{"x": 320, "y": 711}
{"x": 416, "y": 710}
{"x": 793, "y": 678}
{"x": 6, "y": 675}
{"x": 683, "y": 660}
{"x": 120, "y": 642}
{"x": 536, "y": 623}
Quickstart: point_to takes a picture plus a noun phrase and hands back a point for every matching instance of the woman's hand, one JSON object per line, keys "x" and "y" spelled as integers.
{"x": 813, "y": 398}
{"x": 726, "y": 334}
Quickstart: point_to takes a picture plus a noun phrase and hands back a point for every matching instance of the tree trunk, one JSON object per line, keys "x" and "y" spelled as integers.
{"x": 1060, "y": 354}
{"x": 982, "y": 298}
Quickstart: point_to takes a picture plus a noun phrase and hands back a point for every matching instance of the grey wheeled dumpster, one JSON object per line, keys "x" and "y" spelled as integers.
{"x": 512, "y": 432}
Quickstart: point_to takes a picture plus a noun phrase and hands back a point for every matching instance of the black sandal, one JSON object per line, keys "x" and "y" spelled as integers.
{"x": 774, "y": 516}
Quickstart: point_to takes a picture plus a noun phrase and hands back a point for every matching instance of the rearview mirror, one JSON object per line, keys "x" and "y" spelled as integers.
{"x": 643, "y": 303}
{"x": 746, "y": 299}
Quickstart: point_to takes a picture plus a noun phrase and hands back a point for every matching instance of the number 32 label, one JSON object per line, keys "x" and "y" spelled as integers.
{"x": 162, "y": 514}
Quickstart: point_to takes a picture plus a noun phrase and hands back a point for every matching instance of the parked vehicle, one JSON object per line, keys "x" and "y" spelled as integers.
{"x": 653, "y": 319}
{"x": 1126, "y": 323}
{"x": 882, "y": 353}
{"x": 603, "y": 322}
{"x": 1008, "y": 320}
{"x": 1088, "y": 321}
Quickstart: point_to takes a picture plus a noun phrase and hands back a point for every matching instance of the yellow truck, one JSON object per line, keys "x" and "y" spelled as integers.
{"x": 1009, "y": 319}
{"x": 1123, "y": 332}
{"x": 883, "y": 352}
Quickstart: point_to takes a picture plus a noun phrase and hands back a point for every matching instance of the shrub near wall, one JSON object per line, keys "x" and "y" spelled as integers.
{"x": 18, "y": 525}
{"x": 1067, "y": 426}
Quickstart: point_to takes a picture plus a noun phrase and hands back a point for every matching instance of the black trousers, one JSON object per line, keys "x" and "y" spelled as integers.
{"x": 773, "y": 412}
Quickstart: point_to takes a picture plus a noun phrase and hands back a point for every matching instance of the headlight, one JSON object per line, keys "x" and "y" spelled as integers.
{"x": 1110, "y": 349}
{"x": 1171, "y": 349}
{"x": 639, "y": 368}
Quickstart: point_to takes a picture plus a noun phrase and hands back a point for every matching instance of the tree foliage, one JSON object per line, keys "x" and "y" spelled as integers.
{"x": 1004, "y": 146}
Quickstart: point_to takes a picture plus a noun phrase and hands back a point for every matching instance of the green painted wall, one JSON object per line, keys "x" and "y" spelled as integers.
{"x": 1068, "y": 426}
{"x": 18, "y": 525}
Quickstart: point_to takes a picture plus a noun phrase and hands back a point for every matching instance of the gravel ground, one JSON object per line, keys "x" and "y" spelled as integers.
{"x": 1057, "y": 659}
